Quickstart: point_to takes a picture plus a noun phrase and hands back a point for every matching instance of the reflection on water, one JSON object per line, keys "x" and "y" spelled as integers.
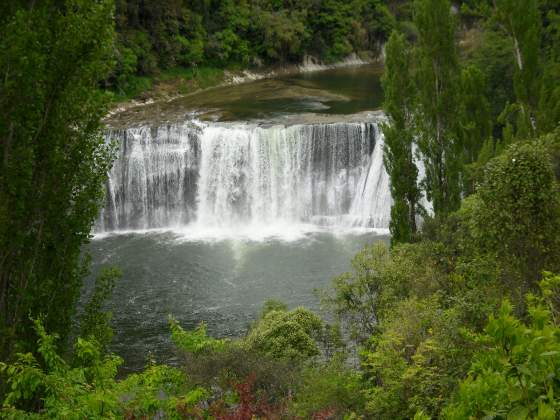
{"x": 223, "y": 282}
{"x": 340, "y": 91}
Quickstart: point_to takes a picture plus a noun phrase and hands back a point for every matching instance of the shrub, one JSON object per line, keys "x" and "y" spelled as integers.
{"x": 331, "y": 387}
{"x": 515, "y": 374}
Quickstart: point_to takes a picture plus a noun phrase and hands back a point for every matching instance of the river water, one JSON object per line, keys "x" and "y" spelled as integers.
{"x": 220, "y": 201}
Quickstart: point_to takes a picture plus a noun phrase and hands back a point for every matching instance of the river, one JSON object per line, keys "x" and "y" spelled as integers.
{"x": 221, "y": 200}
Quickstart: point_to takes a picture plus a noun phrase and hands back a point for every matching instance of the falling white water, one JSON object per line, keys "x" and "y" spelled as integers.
{"x": 227, "y": 178}
{"x": 372, "y": 202}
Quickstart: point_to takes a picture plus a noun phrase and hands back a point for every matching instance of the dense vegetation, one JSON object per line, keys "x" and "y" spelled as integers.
{"x": 154, "y": 37}
{"x": 54, "y": 160}
{"x": 458, "y": 319}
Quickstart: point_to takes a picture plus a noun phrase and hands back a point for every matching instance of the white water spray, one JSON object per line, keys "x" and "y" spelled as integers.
{"x": 230, "y": 177}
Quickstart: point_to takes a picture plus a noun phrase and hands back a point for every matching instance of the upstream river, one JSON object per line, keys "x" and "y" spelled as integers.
{"x": 221, "y": 200}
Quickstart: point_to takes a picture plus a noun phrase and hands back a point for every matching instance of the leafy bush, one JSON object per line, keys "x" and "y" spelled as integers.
{"x": 283, "y": 334}
{"x": 58, "y": 389}
{"x": 196, "y": 341}
{"x": 517, "y": 216}
{"x": 331, "y": 387}
{"x": 159, "y": 389}
{"x": 222, "y": 365}
{"x": 379, "y": 280}
{"x": 414, "y": 362}
{"x": 515, "y": 374}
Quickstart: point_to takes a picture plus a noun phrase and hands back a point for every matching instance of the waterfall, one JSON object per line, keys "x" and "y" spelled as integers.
{"x": 230, "y": 175}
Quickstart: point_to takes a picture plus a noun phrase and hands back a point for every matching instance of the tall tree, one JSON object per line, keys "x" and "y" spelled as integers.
{"x": 53, "y": 159}
{"x": 549, "y": 100}
{"x": 398, "y": 87}
{"x": 475, "y": 120}
{"x": 437, "y": 78}
{"x": 521, "y": 20}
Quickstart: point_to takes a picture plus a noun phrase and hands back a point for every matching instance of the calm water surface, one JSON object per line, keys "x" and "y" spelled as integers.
{"x": 339, "y": 91}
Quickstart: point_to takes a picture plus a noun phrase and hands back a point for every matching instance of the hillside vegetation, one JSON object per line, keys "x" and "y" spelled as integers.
{"x": 155, "y": 39}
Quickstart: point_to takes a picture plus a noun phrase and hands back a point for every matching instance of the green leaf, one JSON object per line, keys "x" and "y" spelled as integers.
{"x": 518, "y": 413}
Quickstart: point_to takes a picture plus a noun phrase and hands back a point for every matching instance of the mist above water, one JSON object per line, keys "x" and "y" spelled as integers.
{"x": 240, "y": 179}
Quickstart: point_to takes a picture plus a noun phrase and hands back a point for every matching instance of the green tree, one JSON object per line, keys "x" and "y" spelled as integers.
{"x": 522, "y": 22}
{"x": 493, "y": 55}
{"x": 57, "y": 387}
{"x": 195, "y": 341}
{"x": 53, "y": 159}
{"x": 517, "y": 216}
{"x": 332, "y": 387}
{"x": 549, "y": 101}
{"x": 378, "y": 23}
{"x": 475, "y": 121}
{"x": 438, "y": 88}
{"x": 399, "y": 90}
{"x": 283, "y": 35}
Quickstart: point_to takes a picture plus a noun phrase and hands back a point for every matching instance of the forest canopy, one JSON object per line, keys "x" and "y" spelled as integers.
{"x": 158, "y": 35}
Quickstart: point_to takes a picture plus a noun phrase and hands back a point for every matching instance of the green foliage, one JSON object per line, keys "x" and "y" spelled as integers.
{"x": 49, "y": 387}
{"x": 438, "y": 100}
{"x": 515, "y": 374}
{"x": 341, "y": 27}
{"x": 517, "y": 215}
{"x": 420, "y": 415}
{"x": 416, "y": 312}
{"x": 475, "y": 119}
{"x": 380, "y": 279}
{"x": 415, "y": 360}
{"x": 54, "y": 158}
{"x": 289, "y": 335}
{"x": 158, "y": 389}
{"x": 95, "y": 325}
{"x": 549, "y": 101}
{"x": 192, "y": 51}
{"x": 61, "y": 390}
{"x": 494, "y": 57}
{"x": 331, "y": 386}
{"x": 284, "y": 33}
{"x": 417, "y": 309}
{"x": 398, "y": 156}
{"x": 195, "y": 341}
{"x": 522, "y": 22}
{"x": 155, "y": 38}
{"x": 550, "y": 288}
{"x": 273, "y": 305}
{"x": 275, "y": 378}
{"x": 266, "y": 366}
{"x": 227, "y": 46}
{"x": 532, "y": 28}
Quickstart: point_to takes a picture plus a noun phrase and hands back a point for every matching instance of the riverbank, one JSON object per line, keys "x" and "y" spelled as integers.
{"x": 182, "y": 82}
{"x": 266, "y": 98}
